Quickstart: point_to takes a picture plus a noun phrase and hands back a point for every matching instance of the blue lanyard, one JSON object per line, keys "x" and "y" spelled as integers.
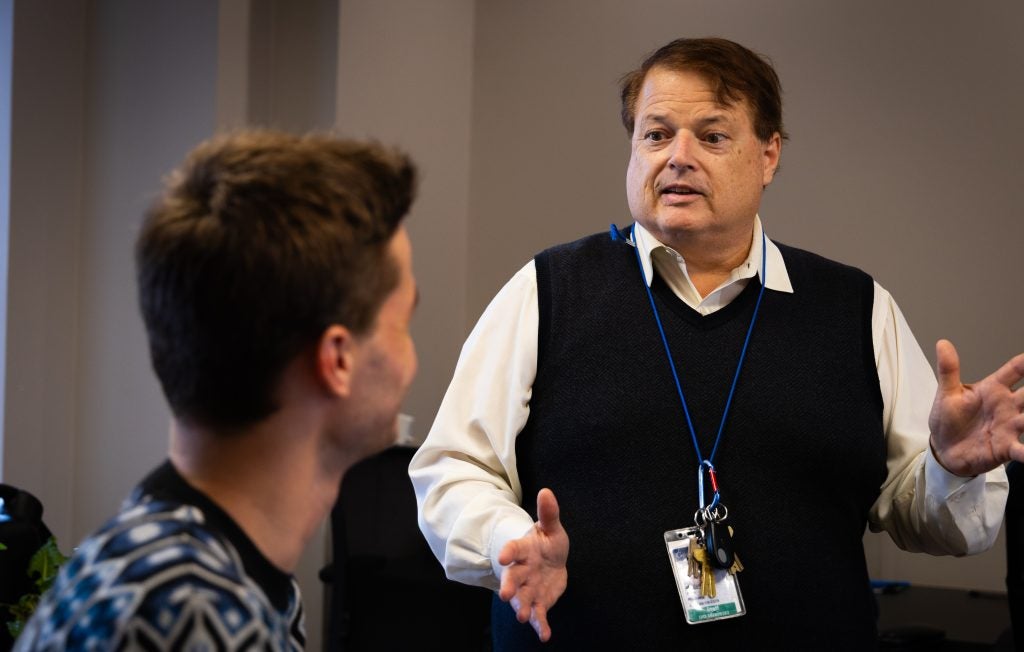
{"x": 705, "y": 464}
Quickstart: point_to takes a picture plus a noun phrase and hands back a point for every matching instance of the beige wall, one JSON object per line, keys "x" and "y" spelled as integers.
{"x": 405, "y": 73}
{"x": 902, "y": 161}
{"x": 47, "y": 116}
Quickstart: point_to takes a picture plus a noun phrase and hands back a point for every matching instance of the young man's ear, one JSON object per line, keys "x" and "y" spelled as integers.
{"x": 335, "y": 360}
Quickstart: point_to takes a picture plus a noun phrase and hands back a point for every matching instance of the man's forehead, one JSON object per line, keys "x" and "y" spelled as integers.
{"x": 663, "y": 84}
{"x": 669, "y": 80}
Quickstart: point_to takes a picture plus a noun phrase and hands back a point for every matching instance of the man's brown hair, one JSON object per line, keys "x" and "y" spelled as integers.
{"x": 736, "y": 74}
{"x": 260, "y": 241}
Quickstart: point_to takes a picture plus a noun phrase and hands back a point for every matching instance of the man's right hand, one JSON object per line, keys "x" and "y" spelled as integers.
{"x": 535, "y": 576}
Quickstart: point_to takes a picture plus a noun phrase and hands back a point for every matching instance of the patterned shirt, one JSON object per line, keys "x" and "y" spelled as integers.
{"x": 172, "y": 571}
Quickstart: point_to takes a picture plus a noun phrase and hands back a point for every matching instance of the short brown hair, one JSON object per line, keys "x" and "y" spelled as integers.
{"x": 736, "y": 73}
{"x": 260, "y": 241}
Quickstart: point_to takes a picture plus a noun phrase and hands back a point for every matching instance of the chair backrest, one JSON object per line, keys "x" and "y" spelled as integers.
{"x": 383, "y": 573}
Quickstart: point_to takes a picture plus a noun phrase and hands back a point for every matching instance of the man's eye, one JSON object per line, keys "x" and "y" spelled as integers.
{"x": 654, "y": 136}
{"x": 715, "y": 138}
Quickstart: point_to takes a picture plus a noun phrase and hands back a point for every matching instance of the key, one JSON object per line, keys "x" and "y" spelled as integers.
{"x": 692, "y": 565}
{"x": 701, "y": 568}
{"x": 707, "y": 581}
{"x": 736, "y": 565}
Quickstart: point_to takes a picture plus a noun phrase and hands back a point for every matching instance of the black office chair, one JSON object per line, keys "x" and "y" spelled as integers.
{"x": 386, "y": 590}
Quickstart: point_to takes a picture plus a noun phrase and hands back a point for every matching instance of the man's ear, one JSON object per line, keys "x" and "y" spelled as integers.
{"x": 335, "y": 360}
{"x": 772, "y": 152}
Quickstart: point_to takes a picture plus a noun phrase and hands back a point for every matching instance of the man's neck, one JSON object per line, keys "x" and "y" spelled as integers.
{"x": 273, "y": 480}
{"x": 711, "y": 259}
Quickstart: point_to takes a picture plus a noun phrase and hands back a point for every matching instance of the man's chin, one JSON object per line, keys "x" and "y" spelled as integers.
{"x": 674, "y": 220}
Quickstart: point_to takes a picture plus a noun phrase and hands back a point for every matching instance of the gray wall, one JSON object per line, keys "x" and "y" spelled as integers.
{"x": 405, "y": 74}
{"x": 902, "y": 161}
{"x": 47, "y": 105}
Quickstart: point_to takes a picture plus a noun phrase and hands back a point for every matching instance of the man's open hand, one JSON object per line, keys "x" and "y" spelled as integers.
{"x": 535, "y": 576}
{"x": 976, "y": 427}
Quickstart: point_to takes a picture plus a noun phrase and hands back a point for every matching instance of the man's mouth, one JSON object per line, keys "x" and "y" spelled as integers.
{"x": 680, "y": 189}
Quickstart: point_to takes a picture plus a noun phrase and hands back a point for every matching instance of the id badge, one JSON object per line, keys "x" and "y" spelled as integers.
{"x": 727, "y": 601}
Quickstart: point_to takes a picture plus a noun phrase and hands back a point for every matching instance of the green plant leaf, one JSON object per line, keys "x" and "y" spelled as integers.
{"x": 21, "y": 612}
{"x": 43, "y": 568}
{"x": 25, "y": 607}
{"x": 45, "y": 564}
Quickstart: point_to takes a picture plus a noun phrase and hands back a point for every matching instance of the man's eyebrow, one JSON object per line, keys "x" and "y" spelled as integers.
{"x": 714, "y": 119}
{"x": 660, "y": 118}
{"x": 711, "y": 119}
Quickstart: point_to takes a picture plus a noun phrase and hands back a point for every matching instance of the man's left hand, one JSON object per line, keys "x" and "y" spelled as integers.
{"x": 977, "y": 427}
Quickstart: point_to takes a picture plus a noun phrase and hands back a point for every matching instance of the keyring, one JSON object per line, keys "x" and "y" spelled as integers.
{"x": 711, "y": 513}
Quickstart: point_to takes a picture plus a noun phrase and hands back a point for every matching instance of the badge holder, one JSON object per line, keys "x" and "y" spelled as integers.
{"x": 727, "y": 601}
{"x": 703, "y": 562}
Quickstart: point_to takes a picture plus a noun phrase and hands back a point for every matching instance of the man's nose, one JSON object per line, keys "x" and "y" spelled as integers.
{"x": 683, "y": 152}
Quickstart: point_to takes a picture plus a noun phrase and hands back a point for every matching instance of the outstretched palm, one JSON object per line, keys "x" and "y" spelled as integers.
{"x": 976, "y": 427}
{"x": 535, "y": 575}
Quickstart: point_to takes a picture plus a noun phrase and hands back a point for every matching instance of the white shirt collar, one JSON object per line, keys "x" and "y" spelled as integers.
{"x": 778, "y": 276}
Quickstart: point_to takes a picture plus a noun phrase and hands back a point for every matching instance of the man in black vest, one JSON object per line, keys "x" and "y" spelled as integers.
{"x": 689, "y": 371}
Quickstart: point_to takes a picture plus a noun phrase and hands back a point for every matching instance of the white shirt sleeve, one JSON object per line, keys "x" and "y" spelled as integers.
{"x": 465, "y": 476}
{"x": 923, "y": 507}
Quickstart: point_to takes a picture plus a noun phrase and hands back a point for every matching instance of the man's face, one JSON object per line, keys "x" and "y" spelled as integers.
{"x": 386, "y": 356}
{"x": 697, "y": 168}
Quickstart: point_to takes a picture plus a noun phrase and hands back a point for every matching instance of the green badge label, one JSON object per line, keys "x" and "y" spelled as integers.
{"x": 713, "y": 611}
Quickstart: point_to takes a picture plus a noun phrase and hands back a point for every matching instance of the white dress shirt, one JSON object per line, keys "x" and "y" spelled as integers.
{"x": 465, "y": 474}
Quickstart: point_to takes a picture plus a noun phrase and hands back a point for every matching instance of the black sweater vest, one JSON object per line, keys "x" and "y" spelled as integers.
{"x": 801, "y": 460}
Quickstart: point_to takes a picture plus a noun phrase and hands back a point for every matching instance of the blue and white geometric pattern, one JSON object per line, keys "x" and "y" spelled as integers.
{"x": 156, "y": 577}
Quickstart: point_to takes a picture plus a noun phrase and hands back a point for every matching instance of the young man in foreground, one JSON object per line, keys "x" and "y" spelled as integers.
{"x": 275, "y": 282}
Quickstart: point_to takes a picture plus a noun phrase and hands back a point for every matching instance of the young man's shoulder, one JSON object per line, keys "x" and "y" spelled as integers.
{"x": 156, "y": 576}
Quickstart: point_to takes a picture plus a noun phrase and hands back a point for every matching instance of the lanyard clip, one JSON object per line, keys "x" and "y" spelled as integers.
{"x": 714, "y": 484}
